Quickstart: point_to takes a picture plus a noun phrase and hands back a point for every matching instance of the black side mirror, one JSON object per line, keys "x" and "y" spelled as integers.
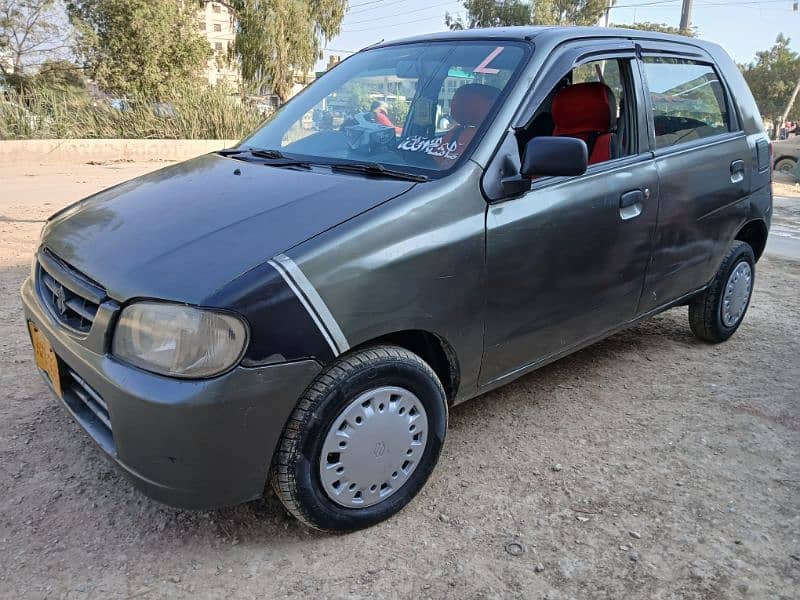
{"x": 554, "y": 156}
{"x": 544, "y": 156}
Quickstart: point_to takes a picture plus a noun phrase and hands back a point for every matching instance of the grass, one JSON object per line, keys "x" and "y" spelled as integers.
{"x": 202, "y": 113}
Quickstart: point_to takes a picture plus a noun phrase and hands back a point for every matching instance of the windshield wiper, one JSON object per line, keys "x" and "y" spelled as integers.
{"x": 264, "y": 153}
{"x": 232, "y": 151}
{"x": 279, "y": 159}
{"x": 377, "y": 169}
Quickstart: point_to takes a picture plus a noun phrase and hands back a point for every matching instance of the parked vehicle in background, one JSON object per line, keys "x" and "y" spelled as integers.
{"x": 304, "y": 308}
{"x": 786, "y": 154}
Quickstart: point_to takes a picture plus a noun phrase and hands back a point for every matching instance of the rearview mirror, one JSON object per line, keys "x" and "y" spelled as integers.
{"x": 554, "y": 156}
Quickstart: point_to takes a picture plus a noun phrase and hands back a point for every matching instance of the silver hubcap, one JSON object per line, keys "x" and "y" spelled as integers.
{"x": 737, "y": 294}
{"x": 373, "y": 447}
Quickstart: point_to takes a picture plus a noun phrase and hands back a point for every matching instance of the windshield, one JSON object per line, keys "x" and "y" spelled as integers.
{"x": 413, "y": 107}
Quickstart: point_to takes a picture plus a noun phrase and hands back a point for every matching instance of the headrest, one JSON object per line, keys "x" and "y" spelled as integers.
{"x": 584, "y": 107}
{"x": 472, "y": 102}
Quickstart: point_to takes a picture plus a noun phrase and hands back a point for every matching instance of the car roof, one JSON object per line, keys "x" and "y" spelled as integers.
{"x": 553, "y": 35}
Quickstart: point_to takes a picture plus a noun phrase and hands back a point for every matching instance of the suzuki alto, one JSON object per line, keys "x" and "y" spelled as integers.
{"x": 429, "y": 220}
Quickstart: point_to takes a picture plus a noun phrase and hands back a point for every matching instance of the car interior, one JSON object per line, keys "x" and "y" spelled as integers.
{"x": 470, "y": 106}
{"x": 590, "y": 103}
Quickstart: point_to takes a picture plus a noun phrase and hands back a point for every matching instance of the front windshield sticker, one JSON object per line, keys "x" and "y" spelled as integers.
{"x": 431, "y": 146}
{"x": 484, "y": 66}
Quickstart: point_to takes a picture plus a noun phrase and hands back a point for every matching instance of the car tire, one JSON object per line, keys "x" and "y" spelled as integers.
{"x": 716, "y": 314}
{"x": 785, "y": 165}
{"x": 402, "y": 392}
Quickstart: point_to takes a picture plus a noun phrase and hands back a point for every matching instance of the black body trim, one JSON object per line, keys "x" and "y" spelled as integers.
{"x": 281, "y": 329}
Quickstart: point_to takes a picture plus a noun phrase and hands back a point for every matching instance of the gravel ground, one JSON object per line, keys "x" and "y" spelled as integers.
{"x": 649, "y": 465}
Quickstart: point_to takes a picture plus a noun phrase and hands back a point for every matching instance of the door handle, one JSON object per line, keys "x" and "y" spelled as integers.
{"x": 631, "y": 203}
{"x": 737, "y": 171}
{"x": 630, "y": 198}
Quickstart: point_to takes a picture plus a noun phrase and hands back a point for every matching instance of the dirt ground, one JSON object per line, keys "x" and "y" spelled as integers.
{"x": 647, "y": 466}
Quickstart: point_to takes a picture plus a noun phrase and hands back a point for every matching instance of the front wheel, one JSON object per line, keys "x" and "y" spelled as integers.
{"x": 717, "y": 313}
{"x": 785, "y": 165}
{"x": 362, "y": 440}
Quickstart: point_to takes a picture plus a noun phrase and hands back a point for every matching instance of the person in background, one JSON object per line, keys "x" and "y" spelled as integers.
{"x": 381, "y": 111}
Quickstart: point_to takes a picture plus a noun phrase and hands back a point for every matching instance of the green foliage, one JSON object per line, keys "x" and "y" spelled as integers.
{"x": 277, "y": 40}
{"x": 491, "y": 13}
{"x": 660, "y": 27}
{"x": 358, "y": 94}
{"x": 140, "y": 46}
{"x": 772, "y": 78}
{"x": 192, "y": 113}
{"x": 398, "y": 111}
{"x": 568, "y": 12}
{"x": 498, "y": 13}
{"x": 57, "y": 75}
{"x": 61, "y": 75}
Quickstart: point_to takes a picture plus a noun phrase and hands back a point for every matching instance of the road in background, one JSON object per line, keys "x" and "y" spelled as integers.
{"x": 784, "y": 235}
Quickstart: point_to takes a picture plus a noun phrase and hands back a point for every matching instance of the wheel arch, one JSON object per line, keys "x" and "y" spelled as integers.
{"x": 754, "y": 233}
{"x": 432, "y": 348}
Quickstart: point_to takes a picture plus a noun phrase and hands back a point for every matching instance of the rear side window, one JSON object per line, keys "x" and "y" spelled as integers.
{"x": 688, "y": 100}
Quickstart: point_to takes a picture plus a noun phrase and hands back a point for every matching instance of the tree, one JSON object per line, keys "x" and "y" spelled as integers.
{"x": 498, "y": 13}
{"x": 568, "y": 12}
{"x": 30, "y": 30}
{"x": 491, "y": 13}
{"x": 660, "y": 27}
{"x": 140, "y": 47}
{"x": 772, "y": 78}
{"x": 61, "y": 75}
{"x": 278, "y": 39}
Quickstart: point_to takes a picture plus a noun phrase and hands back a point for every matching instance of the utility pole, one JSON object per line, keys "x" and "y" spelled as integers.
{"x": 686, "y": 16}
{"x": 605, "y": 19}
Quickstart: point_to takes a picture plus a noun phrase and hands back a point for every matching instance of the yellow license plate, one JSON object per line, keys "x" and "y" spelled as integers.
{"x": 45, "y": 357}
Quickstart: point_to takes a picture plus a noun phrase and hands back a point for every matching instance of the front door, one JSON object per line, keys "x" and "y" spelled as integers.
{"x": 566, "y": 261}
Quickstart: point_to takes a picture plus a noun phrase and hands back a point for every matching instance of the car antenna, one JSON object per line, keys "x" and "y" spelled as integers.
{"x": 378, "y": 43}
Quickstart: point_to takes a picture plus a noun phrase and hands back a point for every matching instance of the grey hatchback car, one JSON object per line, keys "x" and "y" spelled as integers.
{"x": 429, "y": 220}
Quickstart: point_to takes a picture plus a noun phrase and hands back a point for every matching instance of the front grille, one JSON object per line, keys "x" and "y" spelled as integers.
{"x": 90, "y": 398}
{"x": 89, "y": 408}
{"x": 69, "y": 295}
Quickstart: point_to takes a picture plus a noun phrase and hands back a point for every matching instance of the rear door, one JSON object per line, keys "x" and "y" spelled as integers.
{"x": 704, "y": 168}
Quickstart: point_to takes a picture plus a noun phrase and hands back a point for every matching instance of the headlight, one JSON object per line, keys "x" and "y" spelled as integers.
{"x": 178, "y": 340}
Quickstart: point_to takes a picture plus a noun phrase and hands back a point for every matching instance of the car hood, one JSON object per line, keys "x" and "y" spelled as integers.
{"x": 183, "y": 232}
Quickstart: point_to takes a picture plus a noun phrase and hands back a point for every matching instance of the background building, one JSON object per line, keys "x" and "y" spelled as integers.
{"x": 216, "y": 22}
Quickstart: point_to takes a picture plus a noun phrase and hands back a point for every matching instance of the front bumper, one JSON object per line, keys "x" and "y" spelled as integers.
{"x": 187, "y": 443}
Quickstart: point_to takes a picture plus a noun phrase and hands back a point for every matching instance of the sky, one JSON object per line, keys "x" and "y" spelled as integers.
{"x": 742, "y": 27}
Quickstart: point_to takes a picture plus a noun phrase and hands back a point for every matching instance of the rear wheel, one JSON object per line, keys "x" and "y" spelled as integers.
{"x": 717, "y": 313}
{"x": 362, "y": 440}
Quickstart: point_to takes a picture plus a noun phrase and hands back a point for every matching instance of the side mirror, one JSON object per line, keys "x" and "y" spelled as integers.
{"x": 554, "y": 156}
{"x": 544, "y": 156}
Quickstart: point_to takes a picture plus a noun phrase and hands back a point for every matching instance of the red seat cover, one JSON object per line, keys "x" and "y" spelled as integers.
{"x": 470, "y": 105}
{"x": 587, "y": 111}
